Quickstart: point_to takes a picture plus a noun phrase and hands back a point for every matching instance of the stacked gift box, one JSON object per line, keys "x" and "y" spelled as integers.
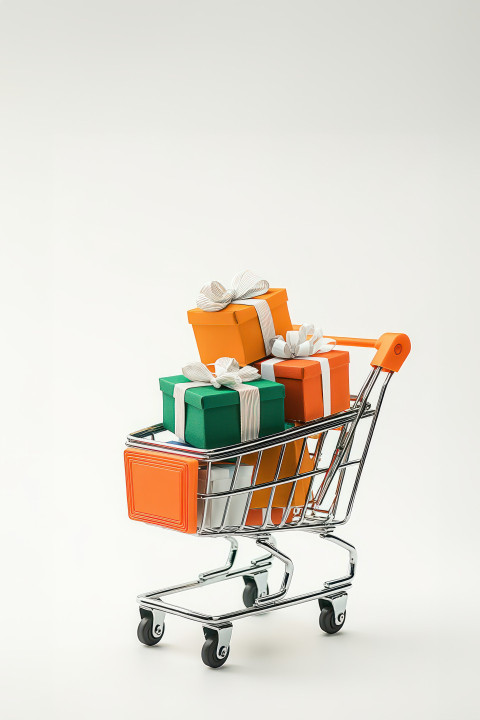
{"x": 256, "y": 373}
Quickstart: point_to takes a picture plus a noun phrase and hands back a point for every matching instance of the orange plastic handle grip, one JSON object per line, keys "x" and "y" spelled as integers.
{"x": 392, "y": 348}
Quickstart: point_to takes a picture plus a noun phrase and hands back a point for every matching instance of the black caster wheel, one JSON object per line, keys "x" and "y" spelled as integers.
{"x": 250, "y": 593}
{"x": 145, "y": 631}
{"x": 328, "y": 623}
{"x": 210, "y": 654}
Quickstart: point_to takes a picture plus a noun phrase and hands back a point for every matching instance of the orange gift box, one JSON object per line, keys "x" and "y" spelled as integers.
{"x": 235, "y": 330}
{"x": 266, "y": 473}
{"x": 302, "y": 378}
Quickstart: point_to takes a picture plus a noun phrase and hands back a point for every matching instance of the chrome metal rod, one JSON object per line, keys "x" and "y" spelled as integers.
{"x": 272, "y": 483}
{"x": 260, "y": 564}
{"x": 352, "y": 554}
{"x": 307, "y": 502}
{"x": 309, "y": 524}
{"x": 333, "y": 507}
{"x": 313, "y": 427}
{"x": 302, "y": 453}
{"x": 289, "y": 503}
{"x": 232, "y": 487}
{"x": 367, "y": 386}
{"x": 150, "y": 604}
{"x": 365, "y": 450}
{"x": 232, "y": 554}
{"x": 287, "y": 575}
{"x": 272, "y": 491}
{"x": 268, "y": 557}
{"x": 250, "y": 492}
{"x": 346, "y": 436}
{"x": 318, "y": 450}
{"x": 207, "y": 489}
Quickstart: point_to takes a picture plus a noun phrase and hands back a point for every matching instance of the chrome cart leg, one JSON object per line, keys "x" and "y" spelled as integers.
{"x": 218, "y": 572}
{"x": 216, "y": 647}
{"x": 263, "y": 559}
{"x": 352, "y": 554}
{"x": 266, "y": 542}
{"x": 256, "y": 582}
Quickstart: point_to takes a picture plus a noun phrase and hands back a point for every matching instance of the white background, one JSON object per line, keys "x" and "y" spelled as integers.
{"x": 146, "y": 148}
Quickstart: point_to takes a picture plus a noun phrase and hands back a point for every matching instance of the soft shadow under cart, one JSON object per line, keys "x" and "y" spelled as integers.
{"x": 332, "y": 481}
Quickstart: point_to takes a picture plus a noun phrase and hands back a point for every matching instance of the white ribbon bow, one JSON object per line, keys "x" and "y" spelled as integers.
{"x": 245, "y": 288}
{"x": 214, "y": 296}
{"x": 296, "y": 344}
{"x": 227, "y": 372}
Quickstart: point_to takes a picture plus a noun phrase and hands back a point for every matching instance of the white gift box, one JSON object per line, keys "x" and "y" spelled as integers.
{"x": 221, "y": 481}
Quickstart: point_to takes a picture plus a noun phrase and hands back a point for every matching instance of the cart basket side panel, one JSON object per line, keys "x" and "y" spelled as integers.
{"x": 162, "y": 489}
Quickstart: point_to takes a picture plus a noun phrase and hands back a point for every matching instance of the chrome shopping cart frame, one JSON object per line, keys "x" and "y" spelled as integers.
{"x": 320, "y": 513}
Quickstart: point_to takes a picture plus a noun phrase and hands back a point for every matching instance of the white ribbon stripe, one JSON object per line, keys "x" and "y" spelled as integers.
{"x": 298, "y": 345}
{"x": 326, "y": 384}
{"x": 249, "y": 397}
{"x": 227, "y": 373}
{"x": 246, "y": 286}
{"x": 265, "y": 320}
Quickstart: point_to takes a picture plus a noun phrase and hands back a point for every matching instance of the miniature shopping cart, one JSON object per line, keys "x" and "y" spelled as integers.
{"x": 336, "y": 448}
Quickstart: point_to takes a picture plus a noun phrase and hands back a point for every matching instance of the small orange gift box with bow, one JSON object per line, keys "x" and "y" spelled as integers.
{"x": 240, "y": 322}
{"x": 314, "y": 374}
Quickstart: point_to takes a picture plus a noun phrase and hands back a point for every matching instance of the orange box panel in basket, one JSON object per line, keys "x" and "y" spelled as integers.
{"x": 266, "y": 473}
{"x": 162, "y": 489}
{"x": 235, "y": 330}
{"x": 257, "y": 516}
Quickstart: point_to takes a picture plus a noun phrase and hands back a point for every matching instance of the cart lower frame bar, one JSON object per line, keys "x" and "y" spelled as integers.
{"x": 332, "y": 589}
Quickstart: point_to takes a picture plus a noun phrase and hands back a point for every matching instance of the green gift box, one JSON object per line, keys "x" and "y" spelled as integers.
{"x": 212, "y": 415}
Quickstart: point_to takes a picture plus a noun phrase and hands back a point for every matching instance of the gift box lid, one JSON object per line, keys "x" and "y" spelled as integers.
{"x": 206, "y": 397}
{"x": 234, "y": 314}
{"x": 301, "y": 368}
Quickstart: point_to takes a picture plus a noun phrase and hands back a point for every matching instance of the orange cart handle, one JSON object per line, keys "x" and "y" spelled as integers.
{"x": 392, "y": 348}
